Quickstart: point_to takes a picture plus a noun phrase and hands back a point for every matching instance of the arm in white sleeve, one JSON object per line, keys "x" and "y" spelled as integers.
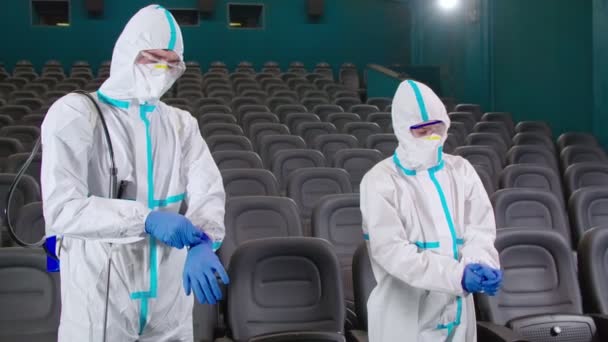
{"x": 479, "y": 223}
{"x": 67, "y": 140}
{"x": 205, "y": 189}
{"x": 391, "y": 249}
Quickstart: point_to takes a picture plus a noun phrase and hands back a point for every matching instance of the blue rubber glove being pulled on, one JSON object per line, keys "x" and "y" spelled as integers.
{"x": 173, "y": 229}
{"x": 491, "y": 280}
{"x": 471, "y": 278}
{"x": 200, "y": 270}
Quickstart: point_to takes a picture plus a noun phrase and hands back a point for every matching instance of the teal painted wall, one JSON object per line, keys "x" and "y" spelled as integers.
{"x": 360, "y": 31}
{"x": 532, "y": 58}
{"x": 542, "y": 58}
{"x": 600, "y": 70}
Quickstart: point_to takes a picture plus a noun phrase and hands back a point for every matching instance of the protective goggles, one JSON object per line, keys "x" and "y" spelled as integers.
{"x": 165, "y": 63}
{"x": 429, "y": 128}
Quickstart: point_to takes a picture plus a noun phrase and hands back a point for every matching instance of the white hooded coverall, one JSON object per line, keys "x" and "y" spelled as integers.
{"x": 167, "y": 165}
{"x": 426, "y": 215}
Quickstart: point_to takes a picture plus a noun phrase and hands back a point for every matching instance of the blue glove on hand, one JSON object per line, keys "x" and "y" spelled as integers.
{"x": 471, "y": 278}
{"x": 173, "y": 229}
{"x": 199, "y": 274}
{"x": 491, "y": 280}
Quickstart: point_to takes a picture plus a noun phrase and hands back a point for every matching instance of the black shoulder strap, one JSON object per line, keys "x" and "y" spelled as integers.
{"x": 113, "y": 170}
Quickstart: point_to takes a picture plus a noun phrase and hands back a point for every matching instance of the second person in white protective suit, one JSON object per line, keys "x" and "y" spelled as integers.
{"x": 430, "y": 229}
{"x": 172, "y": 197}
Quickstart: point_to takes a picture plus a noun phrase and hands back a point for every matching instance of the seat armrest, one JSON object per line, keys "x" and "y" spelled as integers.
{"x": 491, "y": 332}
{"x": 601, "y": 324}
{"x": 357, "y": 336}
{"x": 303, "y": 336}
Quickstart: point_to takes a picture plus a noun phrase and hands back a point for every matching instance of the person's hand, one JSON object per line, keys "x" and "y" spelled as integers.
{"x": 199, "y": 274}
{"x": 491, "y": 280}
{"x": 471, "y": 278}
{"x": 173, "y": 229}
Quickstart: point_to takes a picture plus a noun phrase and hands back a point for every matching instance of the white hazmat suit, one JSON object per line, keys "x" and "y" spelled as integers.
{"x": 426, "y": 216}
{"x": 166, "y": 165}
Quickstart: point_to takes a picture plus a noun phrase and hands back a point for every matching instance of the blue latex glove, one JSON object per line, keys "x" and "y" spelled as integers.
{"x": 173, "y": 229}
{"x": 199, "y": 274}
{"x": 471, "y": 278}
{"x": 491, "y": 280}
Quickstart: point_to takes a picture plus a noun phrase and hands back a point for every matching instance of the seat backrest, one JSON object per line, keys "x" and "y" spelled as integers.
{"x": 240, "y": 101}
{"x": 307, "y": 186}
{"x": 451, "y": 144}
{"x": 467, "y": 119}
{"x": 311, "y": 102}
{"x": 578, "y": 154}
{"x": 204, "y": 321}
{"x": 274, "y": 102}
{"x": 363, "y": 283}
{"x": 386, "y": 143}
{"x": 534, "y": 138}
{"x": 576, "y": 138}
{"x": 252, "y": 118}
{"x": 532, "y": 154}
{"x": 27, "y": 191}
{"x": 588, "y": 209}
{"x": 286, "y": 161}
{"x": 383, "y": 119}
{"x": 350, "y": 78}
{"x": 220, "y": 129}
{"x": 489, "y": 183}
{"x": 357, "y": 162}
{"x": 589, "y": 174}
{"x": 15, "y": 111}
{"x": 332, "y": 143}
{"x": 237, "y": 160}
{"x": 265, "y": 275}
{"x": 30, "y": 226}
{"x": 530, "y": 176}
{"x": 258, "y": 217}
{"x": 311, "y": 130}
{"x": 459, "y": 129}
{"x": 228, "y": 143}
{"x": 16, "y": 161}
{"x": 362, "y": 130}
{"x": 218, "y": 107}
{"x": 337, "y": 219}
{"x": 380, "y": 102}
{"x": 340, "y": 119}
{"x": 209, "y": 118}
{"x": 530, "y": 209}
{"x": 488, "y": 139}
{"x": 484, "y": 156}
{"x": 31, "y": 302}
{"x": 270, "y": 144}
{"x": 534, "y": 127}
{"x": 504, "y": 117}
{"x": 348, "y": 102}
{"x": 249, "y": 182}
{"x": 259, "y": 130}
{"x": 250, "y": 108}
{"x": 9, "y": 146}
{"x": 496, "y": 127}
{"x": 282, "y": 110}
{"x": 323, "y": 110}
{"x": 475, "y": 109}
{"x": 364, "y": 110}
{"x": 593, "y": 270}
{"x": 539, "y": 277}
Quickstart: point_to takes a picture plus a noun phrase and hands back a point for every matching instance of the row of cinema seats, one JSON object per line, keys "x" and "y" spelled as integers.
{"x": 25, "y": 88}
{"x": 290, "y": 289}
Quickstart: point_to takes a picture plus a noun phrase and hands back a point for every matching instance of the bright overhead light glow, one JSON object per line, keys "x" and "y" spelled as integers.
{"x": 448, "y": 4}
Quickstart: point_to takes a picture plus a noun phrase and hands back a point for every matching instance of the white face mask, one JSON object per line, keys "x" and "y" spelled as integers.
{"x": 152, "y": 81}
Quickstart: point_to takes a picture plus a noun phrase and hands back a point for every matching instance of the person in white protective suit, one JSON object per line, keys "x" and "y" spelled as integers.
{"x": 172, "y": 197}
{"x": 430, "y": 230}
